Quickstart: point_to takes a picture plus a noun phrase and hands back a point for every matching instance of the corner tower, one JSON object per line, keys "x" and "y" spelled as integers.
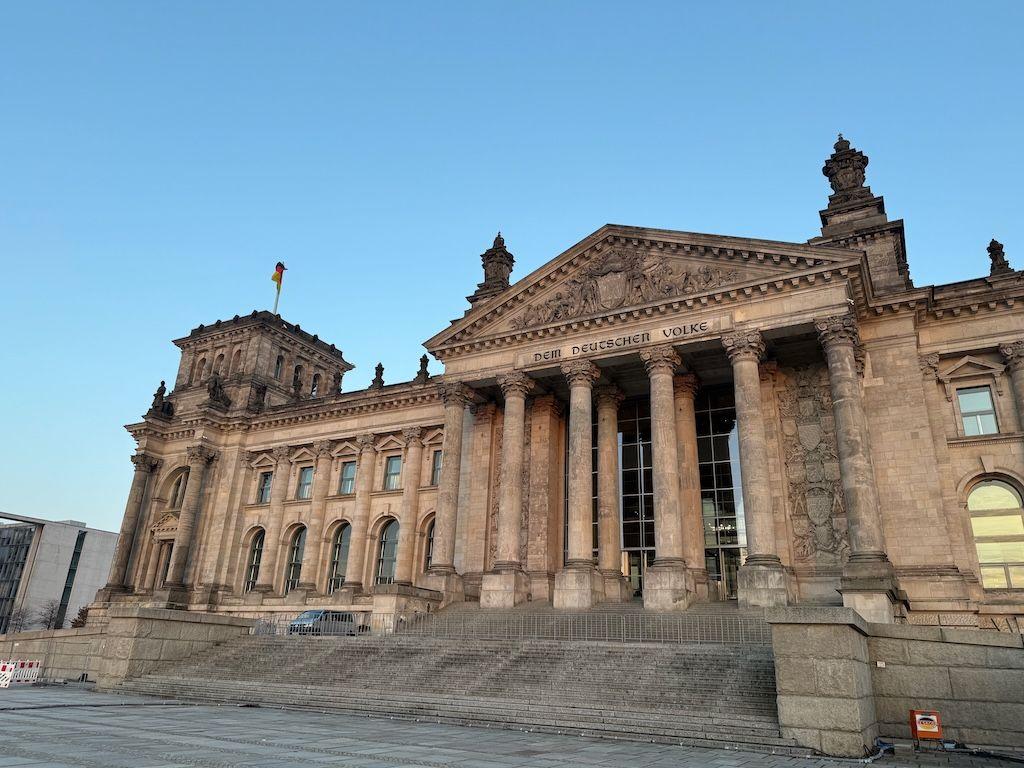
{"x": 497, "y": 263}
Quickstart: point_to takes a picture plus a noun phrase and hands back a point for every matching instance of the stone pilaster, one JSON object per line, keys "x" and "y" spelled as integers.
{"x": 686, "y": 386}
{"x": 544, "y": 546}
{"x": 198, "y": 456}
{"x": 442, "y": 576}
{"x": 667, "y": 583}
{"x": 1013, "y": 354}
{"x": 868, "y": 584}
{"x": 762, "y": 580}
{"x": 145, "y": 465}
{"x": 507, "y": 585}
{"x": 609, "y": 546}
{"x": 410, "y": 504}
{"x": 356, "y": 566}
{"x": 313, "y": 557}
{"x": 579, "y": 585}
{"x": 268, "y": 576}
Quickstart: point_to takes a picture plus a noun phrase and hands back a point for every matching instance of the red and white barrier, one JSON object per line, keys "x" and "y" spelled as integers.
{"x": 19, "y": 672}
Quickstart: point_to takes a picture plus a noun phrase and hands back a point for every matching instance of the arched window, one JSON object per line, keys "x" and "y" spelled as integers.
{"x": 178, "y": 491}
{"x": 314, "y": 388}
{"x": 279, "y": 367}
{"x": 297, "y": 378}
{"x": 202, "y": 370}
{"x": 429, "y": 555}
{"x": 293, "y": 571}
{"x": 236, "y": 361}
{"x": 252, "y": 568}
{"x": 388, "y": 552}
{"x": 339, "y": 557}
{"x": 997, "y": 520}
{"x": 218, "y": 364}
{"x": 192, "y": 371}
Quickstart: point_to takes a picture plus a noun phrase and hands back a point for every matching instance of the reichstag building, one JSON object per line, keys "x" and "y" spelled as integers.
{"x": 652, "y": 415}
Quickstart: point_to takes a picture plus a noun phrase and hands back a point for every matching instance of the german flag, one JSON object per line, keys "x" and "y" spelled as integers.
{"x": 278, "y": 275}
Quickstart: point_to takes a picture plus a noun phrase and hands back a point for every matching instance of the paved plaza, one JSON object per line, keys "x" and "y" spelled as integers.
{"x": 57, "y": 726}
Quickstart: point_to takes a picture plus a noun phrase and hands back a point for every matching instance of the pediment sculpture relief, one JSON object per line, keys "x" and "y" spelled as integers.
{"x": 623, "y": 278}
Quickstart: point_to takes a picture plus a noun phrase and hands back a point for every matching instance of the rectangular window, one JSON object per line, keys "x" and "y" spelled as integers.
{"x": 977, "y": 411}
{"x": 305, "y": 488}
{"x": 435, "y": 469}
{"x": 348, "y": 478}
{"x": 393, "y": 473}
{"x": 263, "y": 489}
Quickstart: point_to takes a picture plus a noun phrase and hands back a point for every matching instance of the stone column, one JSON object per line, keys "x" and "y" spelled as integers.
{"x": 312, "y": 559}
{"x": 762, "y": 581}
{"x": 868, "y": 583}
{"x": 686, "y": 386}
{"x": 667, "y": 583}
{"x": 354, "y": 570}
{"x": 145, "y": 465}
{"x": 609, "y": 538}
{"x": 268, "y": 575}
{"x": 199, "y": 456}
{"x": 579, "y": 585}
{"x": 547, "y": 505}
{"x": 442, "y": 576}
{"x": 1013, "y": 354}
{"x": 507, "y": 585}
{"x": 410, "y": 504}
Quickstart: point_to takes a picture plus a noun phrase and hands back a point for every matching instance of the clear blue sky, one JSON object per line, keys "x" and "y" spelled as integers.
{"x": 157, "y": 159}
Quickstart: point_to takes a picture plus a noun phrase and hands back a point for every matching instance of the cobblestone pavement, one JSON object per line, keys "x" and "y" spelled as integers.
{"x": 58, "y": 726}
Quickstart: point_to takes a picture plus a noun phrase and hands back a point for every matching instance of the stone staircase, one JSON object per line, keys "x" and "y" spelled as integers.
{"x": 713, "y": 695}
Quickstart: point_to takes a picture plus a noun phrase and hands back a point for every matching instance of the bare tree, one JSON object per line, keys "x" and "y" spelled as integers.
{"x": 18, "y": 620}
{"x": 48, "y": 615}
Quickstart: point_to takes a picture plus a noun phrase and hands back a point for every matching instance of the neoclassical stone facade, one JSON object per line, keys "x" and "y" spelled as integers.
{"x": 655, "y": 415}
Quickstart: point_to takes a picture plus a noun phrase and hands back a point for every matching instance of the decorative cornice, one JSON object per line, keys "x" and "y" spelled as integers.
{"x": 686, "y": 385}
{"x": 581, "y": 373}
{"x": 744, "y": 345}
{"x": 661, "y": 359}
{"x": 515, "y": 384}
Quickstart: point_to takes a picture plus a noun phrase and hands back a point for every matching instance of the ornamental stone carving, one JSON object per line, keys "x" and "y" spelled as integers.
{"x": 409, "y": 434}
{"x": 422, "y": 375}
{"x": 1013, "y": 354}
{"x": 366, "y": 442}
{"x": 515, "y": 383}
{"x": 581, "y": 372}
{"x": 743, "y": 345}
{"x": 660, "y": 359}
{"x": 1000, "y": 266}
{"x": 322, "y": 448}
{"x": 218, "y": 398}
{"x": 197, "y": 455}
{"x": 839, "y": 329}
{"x": 686, "y": 384}
{"x": 608, "y": 396}
{"x": 144, "y": 462}
{"x": 622, "y": 278}
{"x": 929, "y": 366}
{"x": 455, "y": 393}
{"x": 281, "y": 453}
{"x": 378, "y": 377}
{"x": 845, "y": 172}
{"x": 813, "y": 484}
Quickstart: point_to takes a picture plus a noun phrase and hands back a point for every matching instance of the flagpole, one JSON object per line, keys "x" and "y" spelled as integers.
{"x": 277, "y": 298}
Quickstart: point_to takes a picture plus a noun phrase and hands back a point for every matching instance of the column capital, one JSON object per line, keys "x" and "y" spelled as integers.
{"x": 581, "y": 372}
{"x": 608, "y": 396}
{"x": 281, "y": 453}
{"x": 144, "y": 462}
{"x": 838, "y": 329}
{"x": 515, "y": 383}
{"x": 686, "y": 385}
{"x": 929, "y": 365}
{"x": 411, "y": 434}
{"x": 322, "y": 449}
{"x": 1013, "y": 354}
{"x": 744, "y": 345}
{"x": 366, "y": 443}
{"x": 548, "y": 403}
{"x": 661, "y": 359}
{"x": 199, "y": 454}
{"x": 455, "y": 394}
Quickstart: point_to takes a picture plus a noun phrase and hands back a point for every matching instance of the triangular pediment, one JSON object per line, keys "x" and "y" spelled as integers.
{"x": 968, "y": 366}
{"x": 620, "y": 268}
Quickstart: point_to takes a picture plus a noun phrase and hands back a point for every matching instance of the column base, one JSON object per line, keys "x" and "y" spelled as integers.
{"x": 448, "y": 583}
{"x": 700, "y": 584}
{"x": 506, "y": 588}
{"x": 616, "y": 587}
{"x": 763, "y": 585}
{"x": 541, "y": 585}
{"x": 174, "y": 596}
{"x": 869, "y": 586}
{"x": 578, "y": 588}
{"x": 668, "y": 588}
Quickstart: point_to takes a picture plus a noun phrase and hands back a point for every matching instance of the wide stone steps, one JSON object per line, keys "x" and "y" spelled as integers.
{"x": 688, "y": 727}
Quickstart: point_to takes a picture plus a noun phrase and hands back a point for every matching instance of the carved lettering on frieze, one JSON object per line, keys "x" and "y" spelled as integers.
{"x": 813, "y": 484}
{"x": 622, "y": 278}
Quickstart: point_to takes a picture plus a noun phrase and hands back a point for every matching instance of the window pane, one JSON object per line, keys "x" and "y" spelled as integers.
{"x": 993, "y": 578}
{"x": 987, "y": 424}
{"x": 1000, "y": 552}
{"x": 1000, "y": 525}
{"x": 993, "y": 495}
{"x": 972, "y": 426}
{"x": 974, "y": 400}
{"x": 1017, "y": 576}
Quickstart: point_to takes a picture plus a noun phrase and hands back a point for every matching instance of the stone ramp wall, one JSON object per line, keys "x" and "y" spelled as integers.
{"x": 842, "y": 682}
{"x": 67, "y": 654}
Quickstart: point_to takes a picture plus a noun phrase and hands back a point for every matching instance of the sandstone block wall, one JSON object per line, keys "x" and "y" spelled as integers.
{"x": 66, "y": 654}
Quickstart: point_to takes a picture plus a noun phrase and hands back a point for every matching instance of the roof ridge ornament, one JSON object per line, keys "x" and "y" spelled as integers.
{"x": 845, "y": 172}
{"x": 1000, "y": 266}
{"x": 497, "y": 263}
